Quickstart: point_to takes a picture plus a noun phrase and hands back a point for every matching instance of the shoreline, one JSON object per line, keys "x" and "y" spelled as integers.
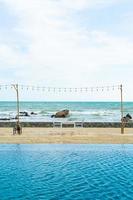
{"x": 67, "y": 136}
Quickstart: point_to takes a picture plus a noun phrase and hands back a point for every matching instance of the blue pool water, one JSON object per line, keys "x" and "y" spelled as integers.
{"x": 66, "y": 172}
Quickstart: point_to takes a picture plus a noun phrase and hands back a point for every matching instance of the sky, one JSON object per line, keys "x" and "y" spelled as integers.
{"x": 66, "y": 43}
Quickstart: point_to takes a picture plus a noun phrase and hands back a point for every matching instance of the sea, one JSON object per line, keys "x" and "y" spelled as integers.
{"x": 66, "y": 172}
{"x": 79, "y": 111}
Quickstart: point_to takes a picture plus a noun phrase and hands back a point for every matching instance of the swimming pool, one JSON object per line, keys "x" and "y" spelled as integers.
{"x": 66, "y": 172}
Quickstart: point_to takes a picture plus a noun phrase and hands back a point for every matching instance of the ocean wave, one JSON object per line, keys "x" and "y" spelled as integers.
{"x": 75, "y": 115}
{"x": 47, "y": 113}
{"x": 43, "y": 112}
{"x": 92, "y": 112}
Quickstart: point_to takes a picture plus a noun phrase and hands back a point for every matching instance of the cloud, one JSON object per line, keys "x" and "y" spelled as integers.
{"x": 85, "y": 4}
{"x": 58, "y": 50}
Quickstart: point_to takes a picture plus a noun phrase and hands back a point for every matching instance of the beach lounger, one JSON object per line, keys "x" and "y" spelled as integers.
{"x": 68, "y": 124}
{"x": 57, "y": 124}
{"x": 78, "y": 124}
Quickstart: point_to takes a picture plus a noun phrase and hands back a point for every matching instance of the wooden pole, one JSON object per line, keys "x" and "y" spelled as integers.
{"x": 122, "y": 113}
{"x": 17, "y": 92}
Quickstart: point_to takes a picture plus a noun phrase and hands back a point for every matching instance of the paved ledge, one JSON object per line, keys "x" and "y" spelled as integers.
{"x": 68, "y": 124}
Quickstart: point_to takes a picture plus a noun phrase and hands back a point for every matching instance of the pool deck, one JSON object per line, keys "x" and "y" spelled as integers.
{"x": 67, "y": 135}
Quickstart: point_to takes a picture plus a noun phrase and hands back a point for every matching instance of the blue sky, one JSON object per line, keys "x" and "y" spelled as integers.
{"x": 67, "y": 43}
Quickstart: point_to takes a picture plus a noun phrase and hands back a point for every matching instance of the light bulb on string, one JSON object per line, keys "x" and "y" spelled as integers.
{"x": 86, "y": 89}
{"x": 59, "y": 90}
{"x": 43, "y": 89}
{"x": 38, "y": 88}
{"x": 75, "y": 89}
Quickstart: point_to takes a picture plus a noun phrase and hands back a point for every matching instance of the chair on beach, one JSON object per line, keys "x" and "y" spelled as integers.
{"x": 68, "y": 124}
{"x": 79, "y": 124}
{"x": 57, "y": 124}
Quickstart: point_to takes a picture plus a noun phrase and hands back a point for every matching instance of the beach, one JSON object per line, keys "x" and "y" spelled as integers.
{"x": 101, "y": 122}
{"x": 67, "y": 136}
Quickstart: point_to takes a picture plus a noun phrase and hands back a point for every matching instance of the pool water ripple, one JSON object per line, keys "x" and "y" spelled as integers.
{"x": 66, "y": 172}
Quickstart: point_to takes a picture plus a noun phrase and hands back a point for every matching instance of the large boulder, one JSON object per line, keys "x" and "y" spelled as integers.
{"x": 5, "y": 119}
{"x": 127, "y": 118}
{"x": 33, "y": 113}
{"x": 61, "y": 114}
{"x": 22, "y": 114}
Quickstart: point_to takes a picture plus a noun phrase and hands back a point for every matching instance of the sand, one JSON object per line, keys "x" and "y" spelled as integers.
{"x": 67, "y": 135}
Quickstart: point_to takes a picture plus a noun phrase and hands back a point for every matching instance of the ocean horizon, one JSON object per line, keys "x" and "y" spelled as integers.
{"x": 98, "y": 111}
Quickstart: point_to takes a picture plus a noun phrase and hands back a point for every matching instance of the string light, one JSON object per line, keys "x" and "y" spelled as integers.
{"x": 59, "y": 89}
{"x": 43, "y": 89}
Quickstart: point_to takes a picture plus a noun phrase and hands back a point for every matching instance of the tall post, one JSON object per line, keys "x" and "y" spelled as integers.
{"x": 122, "y": 112}
{"x": 17, "y": 92}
